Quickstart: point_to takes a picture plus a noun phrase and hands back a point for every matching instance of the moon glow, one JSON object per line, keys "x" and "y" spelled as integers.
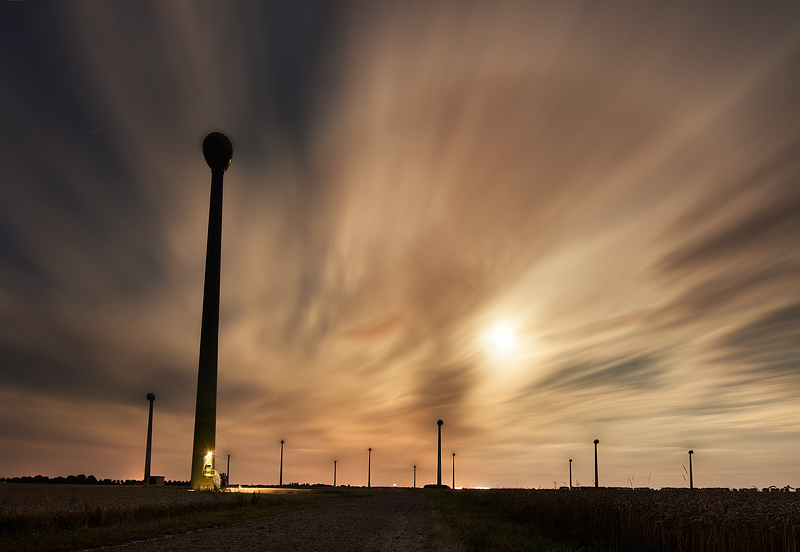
{"x": 500, "y": 340}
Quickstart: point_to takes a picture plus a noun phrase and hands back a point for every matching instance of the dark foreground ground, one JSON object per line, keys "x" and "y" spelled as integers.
{"x": 63, "y": 518}
{"x": 391, "y": 521}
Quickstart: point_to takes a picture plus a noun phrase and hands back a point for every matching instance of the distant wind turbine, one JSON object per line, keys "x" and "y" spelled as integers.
{"x": 596, "y": 482}
{"x": 151, "y": 398}
{"x": 570, "y": 473}
{"x": 439, "y": 458}
{"x": 280, "y": 478}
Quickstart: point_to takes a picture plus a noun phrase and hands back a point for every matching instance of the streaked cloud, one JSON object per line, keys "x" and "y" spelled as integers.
{"x": 618, "y": 182}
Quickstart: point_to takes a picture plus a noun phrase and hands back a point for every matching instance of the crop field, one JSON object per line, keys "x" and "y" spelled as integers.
{"x": 42, "y": 507}
{"x": 624, "y": 520}
{"x": 64, "y": 517}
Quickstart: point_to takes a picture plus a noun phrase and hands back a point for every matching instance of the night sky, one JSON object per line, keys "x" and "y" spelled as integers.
{"x": 543, "y": 223}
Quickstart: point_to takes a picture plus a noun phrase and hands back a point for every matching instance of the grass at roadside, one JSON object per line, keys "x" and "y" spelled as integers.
{"x": 457, "y": 521}
{"x": 89, "y": 517}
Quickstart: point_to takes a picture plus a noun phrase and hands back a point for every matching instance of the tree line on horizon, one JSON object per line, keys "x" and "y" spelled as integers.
{"x": 80, "y": 479}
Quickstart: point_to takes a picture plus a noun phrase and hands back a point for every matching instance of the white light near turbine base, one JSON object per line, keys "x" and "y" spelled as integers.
{"x": 208, "y": 468}
{"x": 500, "y": 340}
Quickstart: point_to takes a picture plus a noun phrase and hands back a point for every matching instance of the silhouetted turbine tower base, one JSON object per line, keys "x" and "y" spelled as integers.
{"x": 218, "y": 152}
{"x": 439, "y": 457}
{"x": 151, "y": 398}
{"x": 596, "y": 481}
{"x": 570, "y": 473}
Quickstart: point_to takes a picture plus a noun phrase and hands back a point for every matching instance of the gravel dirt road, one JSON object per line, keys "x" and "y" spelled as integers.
{"x": 392, "y": 521}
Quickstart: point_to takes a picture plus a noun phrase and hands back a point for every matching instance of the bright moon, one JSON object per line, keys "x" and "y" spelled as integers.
{"x": 500, "y": 339}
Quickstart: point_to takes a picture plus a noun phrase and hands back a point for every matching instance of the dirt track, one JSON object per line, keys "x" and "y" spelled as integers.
{"x": 387, "y": 521}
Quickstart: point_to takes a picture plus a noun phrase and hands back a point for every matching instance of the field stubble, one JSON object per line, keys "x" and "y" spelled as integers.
{"x": 64, "y": 517}
{"x": 633, "y": 520}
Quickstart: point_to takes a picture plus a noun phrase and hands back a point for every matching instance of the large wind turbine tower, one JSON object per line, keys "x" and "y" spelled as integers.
{"x": 218, "y": 152}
